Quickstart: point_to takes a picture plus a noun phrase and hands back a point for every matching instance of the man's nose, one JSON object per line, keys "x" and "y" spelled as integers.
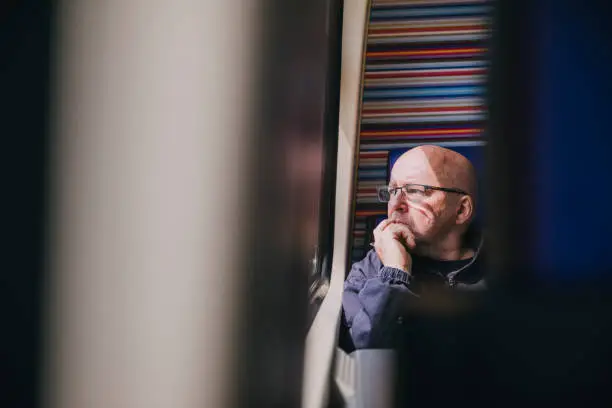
{"x": 397, "y": 204}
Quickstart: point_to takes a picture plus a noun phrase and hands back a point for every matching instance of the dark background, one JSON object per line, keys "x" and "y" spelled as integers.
{"x": 24, "y": 92}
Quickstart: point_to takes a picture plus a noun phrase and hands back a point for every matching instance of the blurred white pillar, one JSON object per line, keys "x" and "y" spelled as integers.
{"x": 151, "y": 130}
{"x": 322, "y": 338}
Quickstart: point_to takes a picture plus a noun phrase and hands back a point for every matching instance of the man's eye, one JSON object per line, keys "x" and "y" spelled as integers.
{"x": 414, "y": 191}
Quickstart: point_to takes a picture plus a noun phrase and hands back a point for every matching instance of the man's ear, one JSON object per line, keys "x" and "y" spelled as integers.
{"x": 465, "y": 210}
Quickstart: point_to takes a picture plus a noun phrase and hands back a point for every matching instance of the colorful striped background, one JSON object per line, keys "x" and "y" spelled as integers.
{"x": 424, "y": 82}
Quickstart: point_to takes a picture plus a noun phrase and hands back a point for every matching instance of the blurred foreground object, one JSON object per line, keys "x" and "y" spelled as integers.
{"x": 165, "y": 244}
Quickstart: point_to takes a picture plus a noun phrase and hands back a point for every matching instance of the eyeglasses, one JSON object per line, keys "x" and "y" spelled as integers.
{"x": 413, "y": 192}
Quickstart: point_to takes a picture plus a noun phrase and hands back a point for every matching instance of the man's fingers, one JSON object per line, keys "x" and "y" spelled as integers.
{"x": 382, "y": 225}
{"x": 403, "y": 233}
{"x": 397, "y": 227}
{"x": 394, "y": 230}
{"x": 380, "y": 228}
{"x": 400, "y": 231}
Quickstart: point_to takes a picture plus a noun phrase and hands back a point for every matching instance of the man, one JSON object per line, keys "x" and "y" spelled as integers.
{"x": 422, "y": 244}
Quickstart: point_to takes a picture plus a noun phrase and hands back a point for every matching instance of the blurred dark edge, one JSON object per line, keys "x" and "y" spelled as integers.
{"x": 25, "y": 52}
{"x": 531, "y": 341}
{"x": 508, "y": 152}
{"x": 291, "y": 85}
{"x": 320, "y": 284}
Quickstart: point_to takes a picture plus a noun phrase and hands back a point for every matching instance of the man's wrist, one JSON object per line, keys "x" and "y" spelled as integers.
{"x": 390, "y": 273}
{"x": 404, "y": 268}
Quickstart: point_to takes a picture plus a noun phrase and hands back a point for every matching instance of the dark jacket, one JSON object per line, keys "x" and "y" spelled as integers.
{"x": 374, "y": 295}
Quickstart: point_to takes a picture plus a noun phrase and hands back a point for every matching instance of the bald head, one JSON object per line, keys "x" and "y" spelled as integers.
{"x": 437, "y": 166}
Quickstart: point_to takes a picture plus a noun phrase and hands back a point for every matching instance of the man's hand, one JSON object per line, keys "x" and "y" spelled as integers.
{"x": 391, "y": 242}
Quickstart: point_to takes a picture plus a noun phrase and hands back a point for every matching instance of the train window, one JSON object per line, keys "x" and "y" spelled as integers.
{"x": 304, "y": 112}
{"x": 322, "y": 251}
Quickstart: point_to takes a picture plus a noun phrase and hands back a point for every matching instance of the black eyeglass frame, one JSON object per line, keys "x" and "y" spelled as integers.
{"x": 387, "y": 190}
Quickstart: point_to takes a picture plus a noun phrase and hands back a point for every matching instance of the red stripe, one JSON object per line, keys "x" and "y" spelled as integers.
{"x": 373, "y": 212}
{"x": 425, "y": 29}
{"x": 441, "y": 73}
{"x": 425, "y": 53}
{"x": 423, "y": 132}
{"x": 398, "y": 139}
{"x": 373, "y": 155}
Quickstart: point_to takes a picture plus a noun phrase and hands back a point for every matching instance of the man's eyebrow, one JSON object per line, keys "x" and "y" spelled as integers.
{"x": 403, "y": 182}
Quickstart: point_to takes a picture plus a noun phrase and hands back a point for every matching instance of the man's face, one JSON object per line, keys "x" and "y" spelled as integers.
{"x": 428, "y": 213}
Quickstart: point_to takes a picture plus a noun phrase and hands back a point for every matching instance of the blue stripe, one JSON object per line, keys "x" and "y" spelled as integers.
{"x": 408, "y": 6}
{"x": 365, "y": 143}
{"x": 431, "y": 12}
{"x": 379, "y": 98}
{"x": 441, "y": 89}
{"x": 411, "y": 83}
{"x": 372, "y": 168}
{"x": 459, "y": 101}
{"x": 386, "y": 22}
{"x": 374, "y": 177}
{"x": 372, "y": 173}
{"x": 405, "y": 59}
{"x": 412, "y": 96}
{"x": 424, "y": 86}
{"x": 398, "y": 120}
{"x": 392, "y": 18}
{"x": 430, "y": 39}
{"x": 455, "y": 65}
{"x": 427, "y": 126}
{"x": 374, "y": 146}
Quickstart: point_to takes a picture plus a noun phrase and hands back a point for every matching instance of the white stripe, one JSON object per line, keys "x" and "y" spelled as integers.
{"x": 381, "y": 73}
{"x": 415, "y": 93}
{"x": 413, "y": 144}
{"x": 431, "y": 12}
{"x": 429, "y": 22}
{"x": 418, "y": 119}
{"x": 425, "y": 65}
{"x": 446, "y": 80}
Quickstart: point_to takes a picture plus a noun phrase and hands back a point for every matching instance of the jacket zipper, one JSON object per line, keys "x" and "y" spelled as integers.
{"x": 449, "y": 279}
